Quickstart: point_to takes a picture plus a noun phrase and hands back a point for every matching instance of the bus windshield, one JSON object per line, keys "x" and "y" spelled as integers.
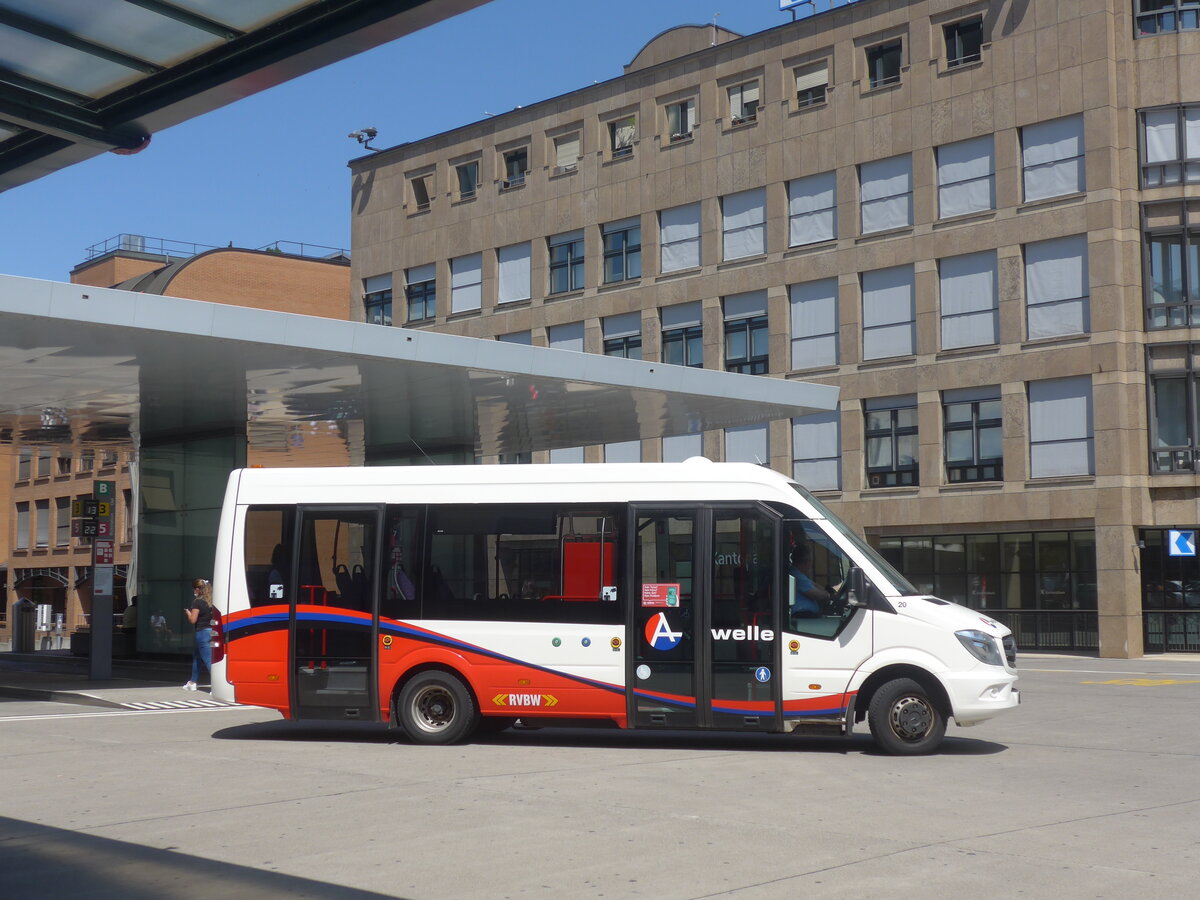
{"x": 902, "y": 584}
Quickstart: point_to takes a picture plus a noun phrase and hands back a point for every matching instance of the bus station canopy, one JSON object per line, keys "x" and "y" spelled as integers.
{"x": 98, "y": 365}
{"x": 81, "y": 78}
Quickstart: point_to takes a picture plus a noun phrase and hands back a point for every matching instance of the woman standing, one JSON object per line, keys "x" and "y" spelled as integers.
{"x": 200, "y": 615}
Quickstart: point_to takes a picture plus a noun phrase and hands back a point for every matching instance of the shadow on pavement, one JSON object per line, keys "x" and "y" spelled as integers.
{"x": 38, "y": 861}
{"x": 598, "y": 738}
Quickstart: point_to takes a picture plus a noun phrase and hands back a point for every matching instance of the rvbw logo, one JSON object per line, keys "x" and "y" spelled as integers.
{"x": 659, "y": 634}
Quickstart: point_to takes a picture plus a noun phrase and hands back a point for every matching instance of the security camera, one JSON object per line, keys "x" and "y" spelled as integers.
{"x": 364, "y": 136}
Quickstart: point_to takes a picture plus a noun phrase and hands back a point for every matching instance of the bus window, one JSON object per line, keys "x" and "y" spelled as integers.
{"x": 816, "y": 570}
{"x": 268, "y": 554}
{"x": 521, "y": 563}
{"x": 402, "y": 564}
{"x": 743, "y": 577}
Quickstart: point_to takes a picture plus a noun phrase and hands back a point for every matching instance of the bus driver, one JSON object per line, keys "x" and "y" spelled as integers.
{"x": 807, "y": 597}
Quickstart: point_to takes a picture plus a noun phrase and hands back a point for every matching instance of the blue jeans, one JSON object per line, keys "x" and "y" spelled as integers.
{"x": 202, "y": 652}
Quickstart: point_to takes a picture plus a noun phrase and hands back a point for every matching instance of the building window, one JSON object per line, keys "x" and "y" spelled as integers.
{"x": 622, "y": 250}
{"x": 566, "y": 337}
{"x": 812, "y": 209}
{"x": 816, "y": 451}
{"x": 422, "y": 191}
{"x": 377, "y": 299}
{"x": 64, "y": 465}
{"x": 1052, "y": 158}
{"x": 566, "y": 152}
{"x": 621, "y": 135}
{"x": 973, "y": 425}
{"x": 1171, "y": 260}
{"x": 889, "y": 313}
{"x": 746, "y": 338}
{"x": 1060, "y": 427}
{"x": 129, "y": 518}
{"x": 108, "y": 459}
{"x": 885, "y": 194}
{"x": 82, "y": 538}
{"x": 1056, "y": 287}
{"x": 883, "y": 63}
{"x": 968, "y": 297}
{"x": 87, "y": 460}
{"x": 513, "y": 264}
{"x": 468, "y": 180}
{"x": 814, "y": 323}
{"x": 682, "y": 335}
{"x": 679, "y": 237}
{"x": 964, "y": 42}
{"x": 681, "y": 120}
{"x": 24, "y": 463}
{"x": 44, "y": 462}
{"x": 22, "y": 535}
{"x": 743, "y": 223}
{"x": 891, "y": 435}
{"x": 682, "y": 447}
{"x": 1003, "y": 572}
{"x": 1170, "y": 145}
{"x": 524, "y": 338}
{"x": 748, "y": 444}
{"x": 966, "y": 177}
{"x": 743, "y": 103}
{"x": 516, "y": 167}
{"x": 623, "y": 452}
{"x": 62, "y": 521}
{"x": 812, "y": 83}
{"x": 623, "y": 335}
{"x": 42, "y": 523}
{"x": 1174, "y": 446}
{"x": 466, "y": 283}
{"x": 1162, "y": 16}
{"x": 566, "y": 262}
{"x": 420, "y": 293}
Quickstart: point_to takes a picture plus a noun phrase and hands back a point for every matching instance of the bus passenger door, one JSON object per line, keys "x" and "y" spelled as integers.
{"x": 743, "y": 630}
{"x": 666, "y": 659}
{"x": 333, "y": 613}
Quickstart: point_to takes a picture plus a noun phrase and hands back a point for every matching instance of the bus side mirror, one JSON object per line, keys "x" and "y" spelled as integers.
{"x": 856, "y": 588}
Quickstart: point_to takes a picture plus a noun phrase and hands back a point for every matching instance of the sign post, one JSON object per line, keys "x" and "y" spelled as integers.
{"x": 98, "y": 523}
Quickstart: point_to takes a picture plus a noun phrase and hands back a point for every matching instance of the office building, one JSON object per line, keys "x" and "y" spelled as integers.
{"x": 979, "y": 220}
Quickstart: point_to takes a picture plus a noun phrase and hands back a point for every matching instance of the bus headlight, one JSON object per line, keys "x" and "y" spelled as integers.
{"x": 981, "y": 646}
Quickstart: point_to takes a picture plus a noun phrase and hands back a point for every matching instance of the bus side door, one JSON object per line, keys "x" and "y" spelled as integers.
{"x": 333, "y": 613}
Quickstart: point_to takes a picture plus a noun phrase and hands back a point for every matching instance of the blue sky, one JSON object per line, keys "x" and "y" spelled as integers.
{"x": 272, "y": 167}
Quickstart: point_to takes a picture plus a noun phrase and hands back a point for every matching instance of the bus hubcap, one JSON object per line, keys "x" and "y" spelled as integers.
{"x": 911, "y": 718}
{"x": 434, "y": 708}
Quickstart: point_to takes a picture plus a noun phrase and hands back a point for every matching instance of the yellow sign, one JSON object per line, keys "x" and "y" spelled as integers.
{"x": 76, "y": 509}
{"x": 529, "y": 701}
{"x": 1142, "y": 682}
{"x": 387, "y": 642}
{"x": 104, "y": 509}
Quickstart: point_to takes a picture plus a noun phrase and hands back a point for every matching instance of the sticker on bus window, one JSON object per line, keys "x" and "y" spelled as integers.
{"x": 660, "y": 595}
{"x": 609, "y": 594}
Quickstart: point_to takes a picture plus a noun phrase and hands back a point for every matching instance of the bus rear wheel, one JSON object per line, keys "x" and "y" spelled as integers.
{"x": 436, "y": 708}
{"x": 904, "y": 719}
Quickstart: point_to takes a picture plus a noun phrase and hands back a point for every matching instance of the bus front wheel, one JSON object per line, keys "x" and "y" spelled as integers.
{"x": 436, "y": 708}
{"x": 904, "y": 719}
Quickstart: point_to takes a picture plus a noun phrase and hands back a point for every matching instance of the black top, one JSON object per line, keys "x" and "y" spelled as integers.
{"x": 204, "y": 615}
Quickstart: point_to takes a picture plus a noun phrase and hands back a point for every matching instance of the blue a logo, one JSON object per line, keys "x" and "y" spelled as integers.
{"x": 659, "y": 634}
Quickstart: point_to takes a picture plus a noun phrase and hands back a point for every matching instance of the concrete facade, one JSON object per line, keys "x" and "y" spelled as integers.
{"x": 1043, "y": 66}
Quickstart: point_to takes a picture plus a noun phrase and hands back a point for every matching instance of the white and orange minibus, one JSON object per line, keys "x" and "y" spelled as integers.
{"x": 446, "y": 600}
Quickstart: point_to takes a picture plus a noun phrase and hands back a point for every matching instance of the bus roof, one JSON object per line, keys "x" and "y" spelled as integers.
{"x": 695, "y": 479}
